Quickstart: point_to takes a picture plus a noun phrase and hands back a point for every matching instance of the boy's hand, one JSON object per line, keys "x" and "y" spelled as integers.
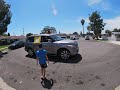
{"x": 47, "y": 62}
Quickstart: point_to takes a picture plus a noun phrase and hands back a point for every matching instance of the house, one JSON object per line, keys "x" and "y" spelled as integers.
{"x": 4, "y": 40}
{"x": 115, "y": 36}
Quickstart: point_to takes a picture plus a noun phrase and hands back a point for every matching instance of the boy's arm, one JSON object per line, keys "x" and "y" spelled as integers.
{"x": 47, "y": 58}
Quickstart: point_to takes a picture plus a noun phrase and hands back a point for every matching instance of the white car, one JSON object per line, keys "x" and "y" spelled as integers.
{"x": 74, "y": 37}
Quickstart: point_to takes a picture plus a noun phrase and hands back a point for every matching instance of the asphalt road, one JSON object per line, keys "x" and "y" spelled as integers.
{"x": 97, "y": 67}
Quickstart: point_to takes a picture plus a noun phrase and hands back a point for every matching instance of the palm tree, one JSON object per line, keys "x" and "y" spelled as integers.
{"x": 89, "y": 28}
{"x": 82, "y": 22}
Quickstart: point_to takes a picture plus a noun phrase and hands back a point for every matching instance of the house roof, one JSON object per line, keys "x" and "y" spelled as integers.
{"x": 12, "y": 37}
{"x": 17, "y": 37}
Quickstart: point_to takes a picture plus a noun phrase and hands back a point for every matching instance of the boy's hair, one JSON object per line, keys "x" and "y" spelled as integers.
{"x": 40, "y": 45}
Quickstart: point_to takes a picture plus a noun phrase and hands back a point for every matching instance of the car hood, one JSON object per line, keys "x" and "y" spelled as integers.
{"x": 67, "y": 42}
{"x": 12, "y": 44}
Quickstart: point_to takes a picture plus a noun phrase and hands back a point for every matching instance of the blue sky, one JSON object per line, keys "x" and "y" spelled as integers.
{"x": 64, "y": 15}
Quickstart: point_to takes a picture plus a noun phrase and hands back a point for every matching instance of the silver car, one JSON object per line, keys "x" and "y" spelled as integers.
{"x": 54, "y": 45}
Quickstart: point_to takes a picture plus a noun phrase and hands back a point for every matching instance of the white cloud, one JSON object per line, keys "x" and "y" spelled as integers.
{"x": 93, "y": 2}
{"x": 99, "y": 5}
{"x": 105, "y": 6}
{"x": 54, "y": 10}
{"x": 112, "y": 23}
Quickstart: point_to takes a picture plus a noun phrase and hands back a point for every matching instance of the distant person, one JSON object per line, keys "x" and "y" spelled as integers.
{"x": 42, "y": 60}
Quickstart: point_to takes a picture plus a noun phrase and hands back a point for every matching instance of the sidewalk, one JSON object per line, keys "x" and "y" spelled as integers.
{"x": 114, "y": 42}
{"x": 118, "y": 43}
{"x": 4, "y": 86}
{"x": 118, "y": 88}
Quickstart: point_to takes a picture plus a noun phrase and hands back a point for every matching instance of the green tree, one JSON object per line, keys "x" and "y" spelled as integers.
{"x": 5, "y": 16}
{"x": 108, "y": 32}
{"x": 116, "y": 30}
{"x": 89, "y": 28}
{"x": 75, "y": 33}
{"x": 4, "y": 34}
{"x": 96, "y": 23}
{"x": 8, "y": 34}
{"x": 82, "y": 22}
{"x": 48, "y": 30}
{"x": 29, "y": 34}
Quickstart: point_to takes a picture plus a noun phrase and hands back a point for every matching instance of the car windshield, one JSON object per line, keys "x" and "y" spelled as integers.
{"x": 16, "y": 42}
{"x": 56, "y": 38}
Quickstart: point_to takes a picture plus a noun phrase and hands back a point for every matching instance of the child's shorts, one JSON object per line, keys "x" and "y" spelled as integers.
{"x": 43, "y": 65}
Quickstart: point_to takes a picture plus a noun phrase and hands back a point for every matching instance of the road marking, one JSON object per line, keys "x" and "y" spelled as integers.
{"x": 4, "y": 86}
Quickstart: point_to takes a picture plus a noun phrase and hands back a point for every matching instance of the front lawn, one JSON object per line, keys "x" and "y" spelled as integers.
{"x": 3, "y": 47}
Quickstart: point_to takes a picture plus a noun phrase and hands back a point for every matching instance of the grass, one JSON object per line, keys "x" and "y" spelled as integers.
{"x": 3, "y": 47}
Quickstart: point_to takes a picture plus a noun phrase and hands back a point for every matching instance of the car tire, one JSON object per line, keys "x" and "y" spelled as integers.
{"x": 64, "y": 54}
{"x": 30, "y": 52}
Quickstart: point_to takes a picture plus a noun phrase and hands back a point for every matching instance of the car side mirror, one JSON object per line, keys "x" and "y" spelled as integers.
{"x": 49, "y": 40}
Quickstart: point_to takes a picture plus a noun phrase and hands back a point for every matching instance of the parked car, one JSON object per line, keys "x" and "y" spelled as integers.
{"x": 74, "y": 37}
{"x": 87, "y": 37}
{"x": 54, "y": 45}
{"x": 16, "y": 44}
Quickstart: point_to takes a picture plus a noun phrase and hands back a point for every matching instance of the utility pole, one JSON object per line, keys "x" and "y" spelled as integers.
{"x": 23, "y": 31}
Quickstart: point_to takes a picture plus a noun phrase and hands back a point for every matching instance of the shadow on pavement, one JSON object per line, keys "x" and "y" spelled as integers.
{"x": 46, "y": 83}
{"x": 30, "y": 56}
{"x": 2, "y": 54}
{"x": 74, "y": 59}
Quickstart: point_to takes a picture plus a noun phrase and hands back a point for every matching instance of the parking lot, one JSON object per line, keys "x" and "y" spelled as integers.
{"x": 96, "y": 67}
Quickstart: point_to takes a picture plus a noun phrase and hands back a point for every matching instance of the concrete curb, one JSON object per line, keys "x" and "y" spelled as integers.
{"x": 4, "y": 86}
{"x": 118, "y": 88}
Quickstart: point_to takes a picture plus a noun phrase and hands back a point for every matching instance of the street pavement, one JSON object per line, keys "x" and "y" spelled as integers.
{"x": 4, "y": 86}
{"x": 96, "y": 67}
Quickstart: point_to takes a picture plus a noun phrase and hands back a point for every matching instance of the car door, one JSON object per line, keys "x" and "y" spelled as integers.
{"x": 49, "y": 46}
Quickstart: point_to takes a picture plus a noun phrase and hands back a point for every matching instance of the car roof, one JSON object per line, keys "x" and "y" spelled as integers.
{"x": 41, "y": 35}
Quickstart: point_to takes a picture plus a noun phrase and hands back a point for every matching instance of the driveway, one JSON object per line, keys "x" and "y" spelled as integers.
{"x": 96, "y": 67}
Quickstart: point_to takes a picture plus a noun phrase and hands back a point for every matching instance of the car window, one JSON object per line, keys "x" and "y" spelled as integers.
{"x": 45, "y": 38}
{"x": 56, "y": 38}
{"x": 16, "y": 42}
{"x": 30, "y": 39}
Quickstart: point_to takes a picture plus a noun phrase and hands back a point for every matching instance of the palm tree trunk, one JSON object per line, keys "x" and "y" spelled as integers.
{"x": 83, "y": 30}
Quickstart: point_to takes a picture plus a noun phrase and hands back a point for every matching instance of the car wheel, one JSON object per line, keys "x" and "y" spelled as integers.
{"x": 64, "y": 54}
{"x": 30, "y": 52}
